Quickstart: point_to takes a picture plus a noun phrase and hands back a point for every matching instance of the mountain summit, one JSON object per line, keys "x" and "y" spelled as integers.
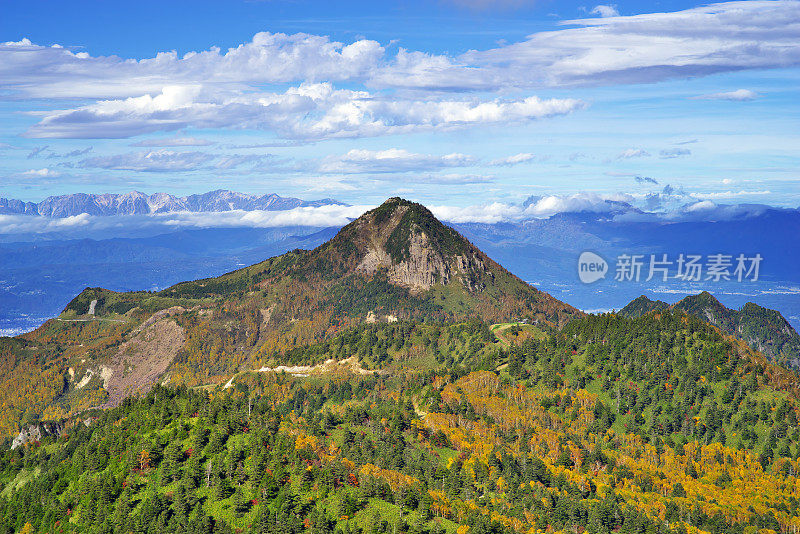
{"x": 395, "y": 263}
{"x": 404, "y": 241}
{"x": 395, "y": 260}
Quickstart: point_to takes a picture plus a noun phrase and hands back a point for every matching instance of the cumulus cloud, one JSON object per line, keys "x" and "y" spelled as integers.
{"x": 740, "y": 95}
{"x": 154, "y": 161}
{"x": 315, "y": 111}
{"x": 633, "y": 153}
{"x": 516, "y": 159}
{"x": 605, "y": 10}
{"x": 169, "y": 91}
{"x": 536, "y": 207}
{"x": 720, "y": 37}
{"x": 670, "y": 153}
{"x": 57, "y": 72}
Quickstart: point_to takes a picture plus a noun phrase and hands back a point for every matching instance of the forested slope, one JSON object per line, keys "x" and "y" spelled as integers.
{"x": 658, "y": 424}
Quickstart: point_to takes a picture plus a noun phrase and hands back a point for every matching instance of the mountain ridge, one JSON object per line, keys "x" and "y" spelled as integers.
{"x": 763, "y": 328}
{"x": 138, "y": 203}
{"x": 395, "y": 263}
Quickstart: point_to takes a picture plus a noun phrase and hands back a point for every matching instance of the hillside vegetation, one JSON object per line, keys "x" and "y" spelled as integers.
{"x": 396, "y": 380}
{"x": 765, "y": 330}
{"x": 659, "y": 424}
{"x": 396, "y": 262}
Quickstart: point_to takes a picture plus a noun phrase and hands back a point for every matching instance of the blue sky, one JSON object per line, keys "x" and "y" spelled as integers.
{"x": 460, "y": 102}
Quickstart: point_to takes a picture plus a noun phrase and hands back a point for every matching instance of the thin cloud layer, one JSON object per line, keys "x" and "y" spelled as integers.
{"x": 516, "y": 159}
{"x": 153, "y": 161}
{"x": 740, "y": 95}
{"x": 323, "y": 216}
{"x": 671, "y": 153}
{"x": 309, "y": 111}
{"x": 173, "y": 142}
{"x": 614, "y": 207}
{"x": 722, "y": 37}
{"x": 633, "y": 153}
{"x": 534, "y": 208}
{"x": 219, "y": 88}
{"x": 390, "y": 161}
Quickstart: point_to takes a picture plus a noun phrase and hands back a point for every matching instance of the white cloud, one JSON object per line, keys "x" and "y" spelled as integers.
{"x": 153, "y": 161}
{"x": 721, "y": 37}
{"x": 542, "y": 207}
{"x": 322, "y": 216}
{"x": 671, "y": 153}
{"x": 231, "y": 161}
{"x": 449, "y": 179}
{"x": 633, "y": 153}
{"x": 516, "y": 159}
{"x": 27, "y": 224}
{"x": 56, "y": 72}
{"x": 699, "y": 209}
{"x": 40, "y": 173}
{"x": 702, "y": 205}
{"x": 486, "y": 213}
{"x": 740, "y": 95}
{"x": 390, "y": 161}
{"x": 605, "y": 10}
{"x": 174, "y": 142}
{"x": 589, "y": 202}
{"x": 314, "y": 111}
{"x": 729, "y": 194}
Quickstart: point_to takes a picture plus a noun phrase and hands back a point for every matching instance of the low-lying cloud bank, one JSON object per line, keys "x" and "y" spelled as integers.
{"x": 614, "y": 207}
{"x": 85, "y": 224}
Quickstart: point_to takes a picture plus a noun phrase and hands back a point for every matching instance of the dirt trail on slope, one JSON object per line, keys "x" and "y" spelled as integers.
{"x": 307, "y": 370}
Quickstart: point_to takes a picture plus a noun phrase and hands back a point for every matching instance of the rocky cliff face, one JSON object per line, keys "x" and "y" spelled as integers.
{"x": 424, "y": 266}
{"x": 415, "y": 250}
{"x": 36, "y": 432}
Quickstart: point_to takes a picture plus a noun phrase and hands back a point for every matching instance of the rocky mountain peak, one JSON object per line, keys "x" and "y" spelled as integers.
{"x": 415, "y": 250}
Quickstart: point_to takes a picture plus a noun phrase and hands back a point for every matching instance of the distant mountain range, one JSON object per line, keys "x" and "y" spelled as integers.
{"x": 395, "y": 263}
{"x": 39, "y": 274}
{"x": 764, "y": 329}
{"x": 137, "y": 203}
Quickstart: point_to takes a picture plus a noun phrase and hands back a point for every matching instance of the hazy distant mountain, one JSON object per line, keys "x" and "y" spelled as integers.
{"x": 137, "y": 203}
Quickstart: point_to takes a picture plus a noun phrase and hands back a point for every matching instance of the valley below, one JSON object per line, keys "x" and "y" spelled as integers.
{"x": 392, "y": 377}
